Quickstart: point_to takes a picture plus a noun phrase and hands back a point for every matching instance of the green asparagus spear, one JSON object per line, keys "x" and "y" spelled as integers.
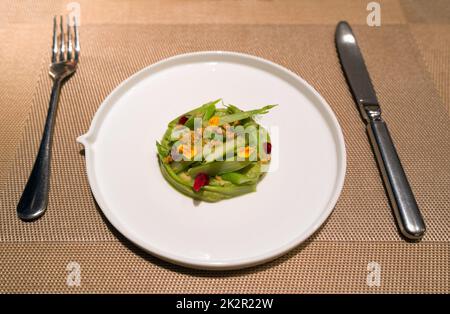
{"x": 237, "y": 178}
{"x": 177, "y": 183}
{"x": 244, "y": 115}
{"x": 178, "y": 166}
{"x": 234, "y": 190}
{"x": 203, "y": 111}
{"x": 218, "y": 167}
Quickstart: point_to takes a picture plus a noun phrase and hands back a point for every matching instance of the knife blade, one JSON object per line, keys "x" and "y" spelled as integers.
{"x": 403, "y": 202}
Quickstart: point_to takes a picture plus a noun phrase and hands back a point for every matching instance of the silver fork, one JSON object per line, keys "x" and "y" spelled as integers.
{"x": 34, "y": 199}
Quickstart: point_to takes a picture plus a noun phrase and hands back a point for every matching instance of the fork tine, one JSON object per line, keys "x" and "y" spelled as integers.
{"x": 69, "y": 40}
{"x": 77, "y": 38}
{"x": 55, "y": 41}
{"x": 62, "y": 48}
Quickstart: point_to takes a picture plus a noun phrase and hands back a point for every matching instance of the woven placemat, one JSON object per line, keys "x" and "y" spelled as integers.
{"x": 40, "y": 256}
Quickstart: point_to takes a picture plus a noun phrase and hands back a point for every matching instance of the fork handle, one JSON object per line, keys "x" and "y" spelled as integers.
{"x": 34, "y": 199}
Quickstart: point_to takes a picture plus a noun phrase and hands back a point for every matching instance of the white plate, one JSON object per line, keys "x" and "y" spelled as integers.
{"x": 291, "y": 202}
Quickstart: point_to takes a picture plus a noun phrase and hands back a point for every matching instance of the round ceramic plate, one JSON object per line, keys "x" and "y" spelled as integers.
{"x": 292, "y": 201}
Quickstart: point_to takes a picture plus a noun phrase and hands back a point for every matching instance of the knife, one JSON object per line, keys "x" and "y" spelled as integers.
{"x": 402, "y": 199}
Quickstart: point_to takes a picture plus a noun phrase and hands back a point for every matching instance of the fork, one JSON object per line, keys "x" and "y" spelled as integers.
{"x": 34, "y": 199}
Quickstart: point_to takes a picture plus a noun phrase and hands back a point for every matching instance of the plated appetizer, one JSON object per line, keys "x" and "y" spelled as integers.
{"x": 211, "y": 153}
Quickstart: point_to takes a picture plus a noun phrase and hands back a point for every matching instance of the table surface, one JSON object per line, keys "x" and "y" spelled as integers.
{"x": 408, "y": 57}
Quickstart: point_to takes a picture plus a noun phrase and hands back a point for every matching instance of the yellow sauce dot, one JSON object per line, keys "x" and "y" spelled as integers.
{"x": 189, "y": 153}
{"x": 244, "y": 152}
{"x": 214, "y": 121}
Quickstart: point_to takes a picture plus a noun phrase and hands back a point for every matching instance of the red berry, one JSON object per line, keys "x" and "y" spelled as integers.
{"x": 182, "y": 120}
{"x": 201, "y": 179}
{"x": 268, "y": 147}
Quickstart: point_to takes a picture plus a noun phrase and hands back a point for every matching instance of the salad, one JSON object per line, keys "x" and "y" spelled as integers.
{"x": 211, "y": 153}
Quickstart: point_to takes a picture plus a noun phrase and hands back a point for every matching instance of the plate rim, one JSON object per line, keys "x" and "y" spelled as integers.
{"x": 87, "y": 138}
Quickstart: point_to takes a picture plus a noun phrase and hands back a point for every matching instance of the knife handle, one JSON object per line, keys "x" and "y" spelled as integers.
{"x": 402, "y": 199}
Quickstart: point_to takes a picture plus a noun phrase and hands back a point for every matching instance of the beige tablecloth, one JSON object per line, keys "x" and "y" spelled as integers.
{"x": 408, "y": 57}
